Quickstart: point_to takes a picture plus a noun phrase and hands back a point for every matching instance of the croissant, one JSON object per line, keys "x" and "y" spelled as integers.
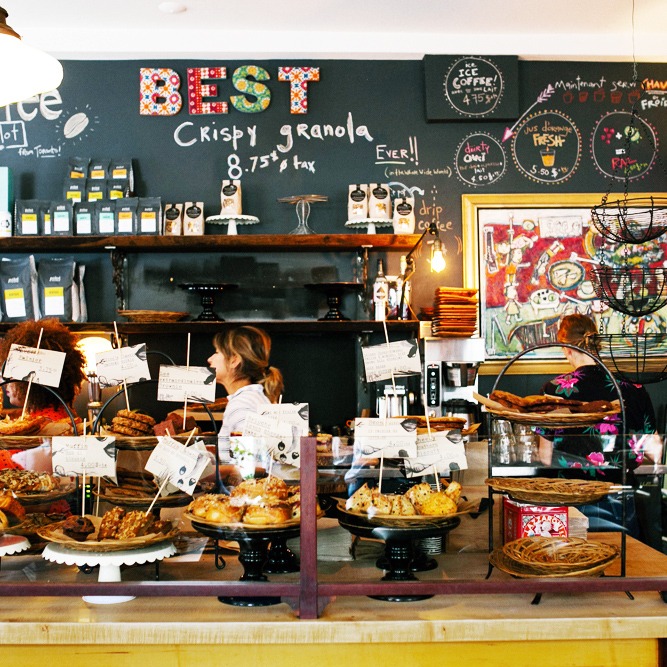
{"x": 9, "y": 505}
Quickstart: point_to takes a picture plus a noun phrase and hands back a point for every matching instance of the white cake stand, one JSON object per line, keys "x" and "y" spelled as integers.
{"x": 13, "y": 544}
{"x": 232, "y": 221}
{"x": 370, "y": 224}
{"x": 109, "y": 563}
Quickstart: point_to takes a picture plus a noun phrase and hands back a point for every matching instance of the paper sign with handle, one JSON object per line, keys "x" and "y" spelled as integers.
{"x": 84, "y": 454}
{"x": 182, "y": 466}
{"x": 43, "y": 366}
{"x": 396, "y": 359}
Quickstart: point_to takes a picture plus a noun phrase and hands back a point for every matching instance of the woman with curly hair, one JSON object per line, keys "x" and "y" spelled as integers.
{"x": 40, "y": 400}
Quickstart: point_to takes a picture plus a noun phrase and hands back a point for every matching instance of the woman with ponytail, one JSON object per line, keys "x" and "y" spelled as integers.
{"x": 241, "y": 364}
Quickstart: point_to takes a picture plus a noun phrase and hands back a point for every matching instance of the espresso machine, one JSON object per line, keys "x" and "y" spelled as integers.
{"x": 450, "y": 375}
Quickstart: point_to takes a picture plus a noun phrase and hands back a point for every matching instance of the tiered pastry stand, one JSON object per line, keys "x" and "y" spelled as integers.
{"x": 13, "y": 544}
{"x": 108, "y": 562}
{"x": 232, "y": 221}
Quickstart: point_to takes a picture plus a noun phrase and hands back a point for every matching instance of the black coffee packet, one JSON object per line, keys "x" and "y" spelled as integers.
{"x": 96, "y": 190}
{"x": 121, "y": 169}
{"x": 29, "y": 216}
{"x": 62, "y": 218}
{"x": 126, "y": 215}
{"x": 98, "y": 170}
{"x": 149, "y": 215}
{"x": 55, "y": 279}
{"x": 118, "y": 189}
{"x": 106, "y": 217}
{"x": 84, "y": 219}
{"x": 74, "y": 189}
{"x": 78, "y": 167}
{"x": 18, "y": 288}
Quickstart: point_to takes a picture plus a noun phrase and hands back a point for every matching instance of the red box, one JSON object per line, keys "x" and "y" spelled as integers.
{"x": 522, "y": 520}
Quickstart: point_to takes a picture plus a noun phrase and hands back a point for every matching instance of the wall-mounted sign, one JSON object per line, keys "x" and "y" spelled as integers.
{"x": 475, "y": 87}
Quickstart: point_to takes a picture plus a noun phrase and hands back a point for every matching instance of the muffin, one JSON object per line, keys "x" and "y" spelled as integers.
{"x": 78, "y": 528}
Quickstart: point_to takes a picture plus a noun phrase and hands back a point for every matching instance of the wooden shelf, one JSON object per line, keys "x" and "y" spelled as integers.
{"x": 272, "y": 326}
{"x": 212, "y": 243}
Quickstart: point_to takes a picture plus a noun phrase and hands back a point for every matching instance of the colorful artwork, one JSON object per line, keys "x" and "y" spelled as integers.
{"x": 198, "y": 91}
{"x": 158, "y": 91}
{"x": 298, "y": 78}
{"x": 531, "y": 257}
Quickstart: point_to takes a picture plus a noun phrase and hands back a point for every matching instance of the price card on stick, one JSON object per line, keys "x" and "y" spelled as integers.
{"x": 278, "y": 436}
{"x": 84, "y": 455}
{"x": 293, "y": 413}
{"x": 124, "y": 364}
{"x": 194, "y": 383}
{"x": 393, "y": 359}
{"x": 389, "y": 438}
{"x": 43, "y": 366}
{"x": 182, "y": 466}
{"x": 439, "y": 449}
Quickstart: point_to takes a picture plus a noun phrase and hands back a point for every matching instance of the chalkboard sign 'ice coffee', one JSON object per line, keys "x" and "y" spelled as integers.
{"x": 475, "y": 87}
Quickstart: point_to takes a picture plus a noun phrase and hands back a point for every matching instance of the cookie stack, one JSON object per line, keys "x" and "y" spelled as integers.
{"x": 132, "y": 423}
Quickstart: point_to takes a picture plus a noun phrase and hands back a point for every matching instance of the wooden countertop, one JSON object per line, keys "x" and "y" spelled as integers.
{"x": 353, "y": 619}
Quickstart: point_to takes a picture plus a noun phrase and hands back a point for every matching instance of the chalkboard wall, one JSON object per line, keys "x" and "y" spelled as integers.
{"x": 366, "y": 122}
{"x": 376, "y": 112}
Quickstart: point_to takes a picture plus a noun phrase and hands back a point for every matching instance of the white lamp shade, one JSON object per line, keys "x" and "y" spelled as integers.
{"x": 25, "y": 71}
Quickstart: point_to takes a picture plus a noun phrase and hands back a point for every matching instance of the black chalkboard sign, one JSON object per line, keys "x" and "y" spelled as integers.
{"x": 475, "y": 87}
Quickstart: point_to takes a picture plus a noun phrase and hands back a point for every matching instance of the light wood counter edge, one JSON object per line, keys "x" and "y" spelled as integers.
{"x": 324, "y": 631}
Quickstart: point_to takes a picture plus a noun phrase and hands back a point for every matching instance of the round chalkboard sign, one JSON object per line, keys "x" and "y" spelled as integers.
{"x": 480, "y": 160}
{"x": 623, "y": 146}
{"x": 473, "y": 86}
{"x": 547, "y": 147}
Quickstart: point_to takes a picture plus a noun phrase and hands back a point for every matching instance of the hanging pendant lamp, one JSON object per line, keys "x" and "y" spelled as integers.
{"x": 24, "y": 70}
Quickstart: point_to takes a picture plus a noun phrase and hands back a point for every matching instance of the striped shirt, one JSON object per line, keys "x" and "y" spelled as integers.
{"x": 242, "y": 402}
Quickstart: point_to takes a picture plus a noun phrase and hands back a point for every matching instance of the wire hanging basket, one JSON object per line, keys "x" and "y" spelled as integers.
{"x": 636, "y": 358}
{"x": 635, "y": 291}
{"x": 635, "y": 220}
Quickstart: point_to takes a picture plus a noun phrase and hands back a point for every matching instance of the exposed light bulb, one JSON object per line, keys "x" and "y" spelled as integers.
{"x": 438, "y": 262}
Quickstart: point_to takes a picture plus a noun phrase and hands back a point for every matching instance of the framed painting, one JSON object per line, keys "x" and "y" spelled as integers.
{"x": 531, "y": 256}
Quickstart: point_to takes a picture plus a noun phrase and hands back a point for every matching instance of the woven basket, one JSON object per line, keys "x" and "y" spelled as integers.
{"x": 498, "y": 559}
{"x": 558, "y": 555}
{"x": 147, "y": 316}
{"x": 548, "y": 491}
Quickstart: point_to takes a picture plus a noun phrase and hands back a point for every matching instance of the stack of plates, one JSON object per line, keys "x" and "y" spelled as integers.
{"x": 455, "y": 312}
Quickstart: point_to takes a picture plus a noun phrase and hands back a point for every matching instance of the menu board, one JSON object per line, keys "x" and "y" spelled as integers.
{"x": 473, "y": 87}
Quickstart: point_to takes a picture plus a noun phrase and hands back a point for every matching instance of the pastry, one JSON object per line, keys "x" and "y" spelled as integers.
{"x": 360, "y": 500}
{"x": 132, "y": 423}
{"x": 266, "y": 488}
{"x": 136, "y": 523}
{"x": 265, "y": 514}
{"x": 26, "y": 425}
{"x": 136, "y": 416}
{"x": 4, "y": 521}
{"x": 437, "y": 504}
{"x": 110, "y": 523}
{"x": 12, "y": 507}
{"x": 78, "y": 528}
{"x": 27, "y": 481}
{"x": 418, "y": 493}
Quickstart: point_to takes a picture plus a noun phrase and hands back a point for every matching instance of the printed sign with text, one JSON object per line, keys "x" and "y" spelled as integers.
{"x": 194, "y": 383}
{"x": 397, "y": 359}
{"x": 44, "y": 366}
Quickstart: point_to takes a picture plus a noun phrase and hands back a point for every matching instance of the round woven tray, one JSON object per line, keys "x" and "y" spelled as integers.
{"x": 145, "y": 316}
{"x": 54, "y": 533}
{"x": 554, "y": 419}
{"x": 552, "y": 556}
{"x": 498, "y": 559}
{"x": 550, "y": 491}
